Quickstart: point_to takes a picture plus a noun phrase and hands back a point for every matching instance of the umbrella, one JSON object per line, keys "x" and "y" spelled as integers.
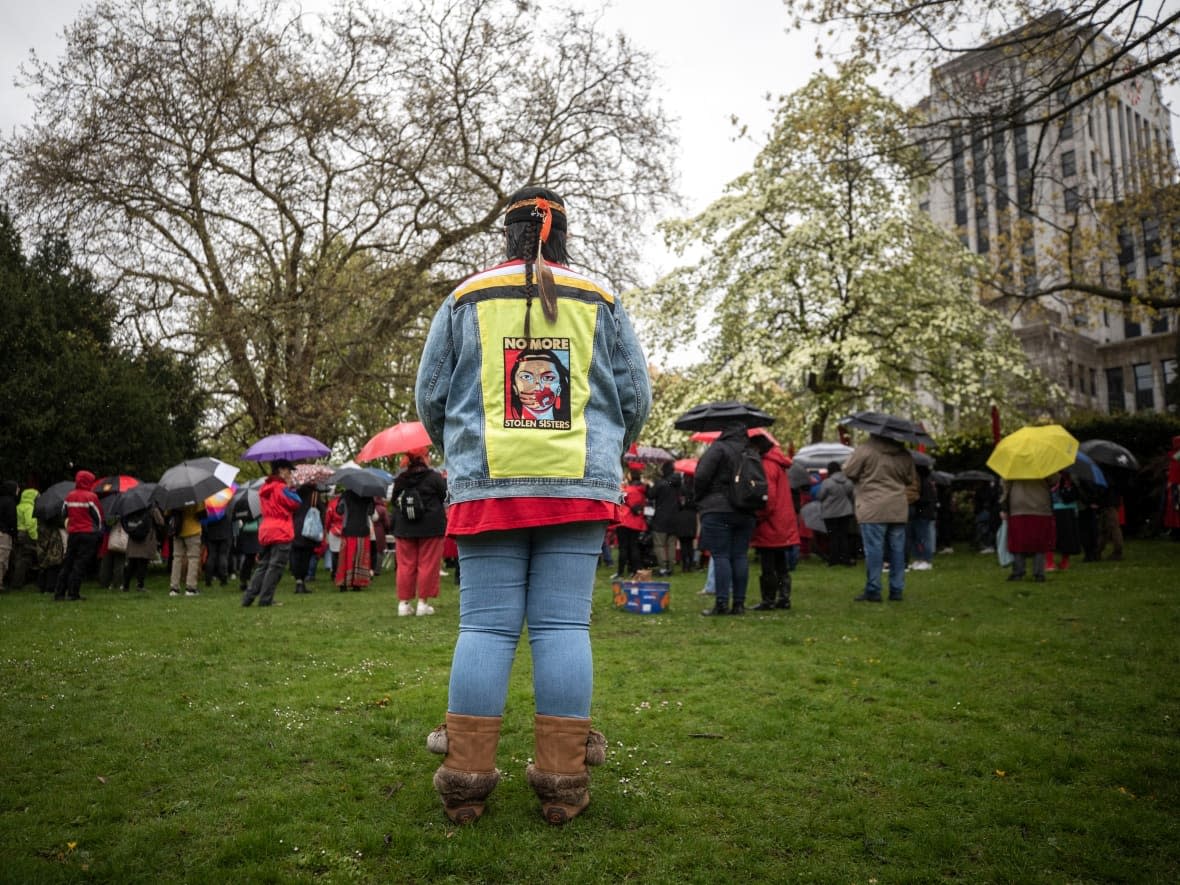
{"x": 709, "y": 436}
{"x": 359, "y": 481}
{"x": 719, "y": 415}
{"x": 974, "y": 476}
{"x": 217, "y": 504}
{"x": 245, "y": 503}
{"x": 1034, "y": 452}
{"x": 820, "y": 454}
{"x": 1085, "y": 469}
{"x": 112, "y": 485}
{"x": 686, "y": 465}
{"x": 941, "y": 477}
{"x": 405, "y": 436}
{"x": 286, "y": 447}
{"x": 384, "y": 474}
{"x": 799, "y": 474}
{"x": 311, "y": 474}
{"x": 133, "y": 500}
{"x": 227, "y": 473}
{"x": 50, "y": 502}
{"x": 921, "y": 459}
{"x": 1110, "y": 454}
{"x": 812, "y": 518}
{"x": 185, "y": 486}
{"x": 890, "y": 426}
{"x": 649, "y": 454}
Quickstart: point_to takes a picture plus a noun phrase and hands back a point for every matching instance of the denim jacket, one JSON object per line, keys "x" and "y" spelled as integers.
{"x": 548, "y": 416}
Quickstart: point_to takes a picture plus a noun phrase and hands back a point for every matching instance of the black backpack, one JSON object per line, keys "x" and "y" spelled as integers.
{"x": 749, "y": 491}
{"x": 138, "y": 525}
{"x": 410, "y": 504}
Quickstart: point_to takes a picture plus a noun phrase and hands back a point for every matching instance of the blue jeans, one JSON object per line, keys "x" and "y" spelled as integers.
{"x": 922, "y": 546}
{"x": 875, "y": 536}
{"x": 540, "y": 576}
{"x": 727, "y": 538}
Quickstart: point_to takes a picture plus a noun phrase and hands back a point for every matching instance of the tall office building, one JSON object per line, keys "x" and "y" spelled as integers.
{"x": 1043, "y": 179}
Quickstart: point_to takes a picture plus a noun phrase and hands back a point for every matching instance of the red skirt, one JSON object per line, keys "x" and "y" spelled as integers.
{"x": 355, "y": 568}
{"x": 1031, "y": 533}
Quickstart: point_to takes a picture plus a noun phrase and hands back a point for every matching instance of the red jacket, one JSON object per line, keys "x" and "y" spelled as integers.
{"x": 777, "y": 526}
{"x": 279, "y": 503}
{"x": 83, "y": 512}
{"x": 634, "y": 497}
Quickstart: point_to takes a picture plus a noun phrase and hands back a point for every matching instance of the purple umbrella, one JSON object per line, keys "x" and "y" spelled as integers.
{"x": 285, "y": 446}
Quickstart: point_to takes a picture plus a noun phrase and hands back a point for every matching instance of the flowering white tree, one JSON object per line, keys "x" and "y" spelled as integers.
{"x": 822, "y": 288}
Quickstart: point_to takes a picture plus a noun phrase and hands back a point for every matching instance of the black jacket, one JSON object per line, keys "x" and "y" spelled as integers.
{"x": 432, "y": 489}
{"x": 716, "y": 468}
{"x": 665, "y": 497}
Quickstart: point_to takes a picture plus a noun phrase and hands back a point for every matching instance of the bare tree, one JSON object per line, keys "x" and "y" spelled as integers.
{"x": 290, "y": 197}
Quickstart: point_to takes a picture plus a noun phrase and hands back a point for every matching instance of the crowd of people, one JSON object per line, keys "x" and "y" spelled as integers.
{"x": 301, "y": 528}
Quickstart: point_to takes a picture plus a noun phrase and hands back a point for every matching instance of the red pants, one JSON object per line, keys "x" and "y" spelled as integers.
{"x": 418, "y": 564}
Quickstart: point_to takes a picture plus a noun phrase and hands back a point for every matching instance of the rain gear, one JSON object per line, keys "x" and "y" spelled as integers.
{"x": 25, "y": 521}
{"x": 83, "y": 511}
{"x": 777, "y": 524}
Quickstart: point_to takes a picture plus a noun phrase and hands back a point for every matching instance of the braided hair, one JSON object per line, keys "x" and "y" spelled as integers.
{"x": 535, "y": 229}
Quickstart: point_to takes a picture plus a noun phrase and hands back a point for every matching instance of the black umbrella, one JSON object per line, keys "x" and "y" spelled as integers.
{"x": 799, "y": 476}
{"x": 813, "y": 517}
{"x": 890, "y": 426}
{"x": 360, "y": 481}
{"x": 942, "y": 478}
{"x": 1109, "y": 454}
{"x": 921, "y": 459}
{"x": 245, "y": 504}
{"x": 133, "y": 500}
{"x": 974, "y": 476}
{"x": 49, "y": 503}
{"x": 185, "y": 485}
{"x": 719, "y": 415}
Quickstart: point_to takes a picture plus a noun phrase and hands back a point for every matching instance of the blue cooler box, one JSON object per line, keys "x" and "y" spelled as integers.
{"x": 642, "y": 597}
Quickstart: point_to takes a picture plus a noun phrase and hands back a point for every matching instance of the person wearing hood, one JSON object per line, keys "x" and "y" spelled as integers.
{"x": 725, "y": 530}
{"x": 25, "y": 552}
{"x": 279, "y": 502}
{"x": 777, "y": 528}
{"x": 882, "y": 471}
{"x": 8, "y": 490}
{"x": 836, "y": 506}
{"x": 1172, "y": 492}
{"x": 84, "y": 522}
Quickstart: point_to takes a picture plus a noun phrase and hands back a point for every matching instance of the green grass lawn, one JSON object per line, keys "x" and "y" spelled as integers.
{"x": 980, "y": 731}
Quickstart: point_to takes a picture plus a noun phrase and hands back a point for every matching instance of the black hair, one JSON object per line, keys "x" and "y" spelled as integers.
{"x": 522, "y": 228}
{"x": 833, "y": 467}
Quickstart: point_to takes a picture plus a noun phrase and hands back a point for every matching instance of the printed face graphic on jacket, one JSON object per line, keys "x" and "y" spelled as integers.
{"x": 538, "y": 389}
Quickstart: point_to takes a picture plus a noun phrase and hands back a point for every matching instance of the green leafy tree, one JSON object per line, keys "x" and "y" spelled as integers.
{"x": 72, "y": 397}
{"x": 822, "y": 289}
{"x": 288, "y": 197}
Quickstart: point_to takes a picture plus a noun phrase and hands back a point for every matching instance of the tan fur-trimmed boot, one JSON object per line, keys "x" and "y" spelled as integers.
{"x": 468, "y": 773}
{"x": 559, "y": 776}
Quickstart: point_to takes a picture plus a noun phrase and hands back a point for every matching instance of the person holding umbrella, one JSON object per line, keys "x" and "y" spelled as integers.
{"x": 531, "y": 494}
{"x": 275, "y": 534}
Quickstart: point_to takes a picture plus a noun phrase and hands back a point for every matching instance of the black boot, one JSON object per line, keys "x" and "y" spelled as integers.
{"x": 719, "y": 608}
{"x": 738, "y": 609}
{"x": 767, "y": 586}
{"x": 784, "y": 592}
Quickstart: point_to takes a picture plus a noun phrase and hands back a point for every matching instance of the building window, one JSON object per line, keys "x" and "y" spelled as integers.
{"x": 1144, "y": 388}
{"x": 959, "y": 177}
{"x": 1171, "y": 394}
{"x": 1159, "y": 324}
{"x": 979, "y": 184}
{"x": 1067, "y": 126}
{"x": 1000, "y": 173}
{"x": 1115, "y": 396}
{"x": 1069, "y": 374}
{"x": 1069, "y": 164}
{"x": 1072, "y": 200}
{"x": 1131, "y": 328}
{"x": 1093, "y": 382}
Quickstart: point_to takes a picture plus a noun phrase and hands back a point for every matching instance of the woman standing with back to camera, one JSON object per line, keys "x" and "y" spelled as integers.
{"x": 531, "y": 491}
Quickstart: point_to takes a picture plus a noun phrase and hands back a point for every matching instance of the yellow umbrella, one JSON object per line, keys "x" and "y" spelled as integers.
{"x": 1034, "y": 452}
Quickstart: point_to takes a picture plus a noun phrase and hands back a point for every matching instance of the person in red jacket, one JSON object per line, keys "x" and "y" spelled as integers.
{"x": 632, "y": 523}
{"x": 777, "y": 529}
{"x": 84, "y": 521}
{"x": 275, "y": 534}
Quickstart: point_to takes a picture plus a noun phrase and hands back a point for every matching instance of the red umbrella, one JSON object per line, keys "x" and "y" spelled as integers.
{"x": 686, "y": 465}
{"x": 405, "y": 436}
{"x": 110, "y": 485}
{"x": 712, "y": 435}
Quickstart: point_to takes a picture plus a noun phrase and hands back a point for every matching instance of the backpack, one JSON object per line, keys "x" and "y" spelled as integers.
{"x": 138, "y": 525}
{"x": 410, "y": 504}
{"x": 749, "y": 491}
{"x": 313, "y": 526}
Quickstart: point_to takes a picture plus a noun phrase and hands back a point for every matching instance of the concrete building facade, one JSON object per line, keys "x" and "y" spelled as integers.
{"x": 1034, "y": 192}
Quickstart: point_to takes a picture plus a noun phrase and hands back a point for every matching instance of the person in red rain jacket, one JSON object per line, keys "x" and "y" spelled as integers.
{"x": 632, "y": 523}
{"x": 275, "y": 534}
{"x": 777, "y": 529}
{"x": 1172, "y": 492}
{"x": 84, "y": 522}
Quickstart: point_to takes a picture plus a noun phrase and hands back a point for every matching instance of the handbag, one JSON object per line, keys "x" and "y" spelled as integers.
{"x": 117, "y": 539}
{"x": 1002, "y": 545}
{"x": 313, "y": 526}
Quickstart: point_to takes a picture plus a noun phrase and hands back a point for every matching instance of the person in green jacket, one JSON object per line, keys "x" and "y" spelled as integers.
{"x": 25, "y": 554}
